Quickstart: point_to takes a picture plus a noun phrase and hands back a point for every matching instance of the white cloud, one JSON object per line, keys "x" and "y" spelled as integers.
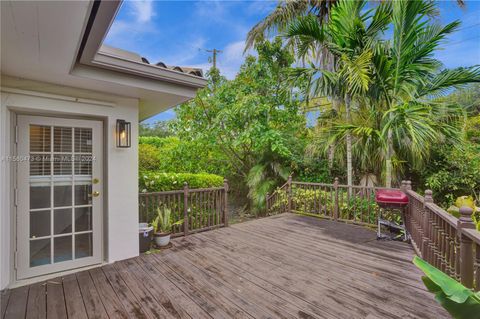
{"x": 263, "y": 7}
{"x": 142, "y": 10}
{"x": 212, "y": 10}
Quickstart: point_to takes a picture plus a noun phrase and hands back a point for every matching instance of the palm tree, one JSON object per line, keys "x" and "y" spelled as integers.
{"x": 287, "y": 11}
{"x": 395, "y": 78}
{"x": 349, "y": 38}
{"x": 405, "y": 72}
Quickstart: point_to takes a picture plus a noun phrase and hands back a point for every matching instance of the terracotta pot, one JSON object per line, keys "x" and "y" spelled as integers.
{"x": 162, "y": 239}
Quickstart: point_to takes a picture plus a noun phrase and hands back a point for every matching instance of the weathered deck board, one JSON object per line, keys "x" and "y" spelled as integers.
{"x": 36, "y": 304}
{"x": 287, "y": 266}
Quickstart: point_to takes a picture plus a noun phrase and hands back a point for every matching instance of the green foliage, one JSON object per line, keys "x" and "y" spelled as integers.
{"x": 315, "y": 171}
{"x": 149, "y": 158}
{"x": 253, "y": 120}
{"x": 472, "y": 129}
{"x": 163, "y": 222}
{"x": 383, "y": 88}
{"x": 453, "y": 172}
{"x": 313, "y": 201}
{"x": 170, "y": 154}
{"x": 157, "y": 181}
{"x": 469, "y": 202}
{"x": 459, "y": 301}
{"x": 357, "y": 207}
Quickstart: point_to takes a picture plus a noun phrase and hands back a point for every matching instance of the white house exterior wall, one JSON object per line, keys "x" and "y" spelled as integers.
{"x": 120, "y": 169}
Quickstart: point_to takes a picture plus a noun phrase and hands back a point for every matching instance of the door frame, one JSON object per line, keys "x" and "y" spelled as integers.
{"x": 23, "y": 271}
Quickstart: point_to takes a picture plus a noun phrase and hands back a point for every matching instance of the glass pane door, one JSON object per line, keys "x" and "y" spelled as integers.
{"x": 59, "y": 205}
{"x": 60, "y": 194}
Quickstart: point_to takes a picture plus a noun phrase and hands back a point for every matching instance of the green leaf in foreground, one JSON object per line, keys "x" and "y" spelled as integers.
{"x": 459, "y": 301}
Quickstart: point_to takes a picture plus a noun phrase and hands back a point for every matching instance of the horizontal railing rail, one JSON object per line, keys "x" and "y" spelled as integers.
{"x": 451, "y": 244}
{"x": 200, "y": 209}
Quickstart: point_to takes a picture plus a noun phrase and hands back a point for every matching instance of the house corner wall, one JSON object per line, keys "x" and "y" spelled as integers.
{"x": 120, "y": 222}
{"x": 6, "y": 221}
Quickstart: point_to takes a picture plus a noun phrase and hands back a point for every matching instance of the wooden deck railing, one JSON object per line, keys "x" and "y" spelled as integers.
{"x": 200, "y": 208}
{"x": 354, "y": 204}
{"x": 451, "y": 244}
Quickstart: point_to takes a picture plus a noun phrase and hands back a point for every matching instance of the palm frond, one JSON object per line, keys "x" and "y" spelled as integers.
{"x": 442, "y": 82}
{"x": 278, "y": 20}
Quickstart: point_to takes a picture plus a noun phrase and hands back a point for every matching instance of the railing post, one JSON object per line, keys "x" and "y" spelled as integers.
{"x": 185, "y": 209}
{"x": 289, "y": 193}
{"x": 225, "y": 204}
{"x": 336, "y": 206}
{"x": 466, "y": 250}
{"x": 406, "y": 210}
{"x": 426, "y": 226}
{"x": 409, "y": 185}
{"x": 266, "y": 203}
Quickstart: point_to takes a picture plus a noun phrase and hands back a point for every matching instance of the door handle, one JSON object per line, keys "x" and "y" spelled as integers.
{"x": 96, "y": 194}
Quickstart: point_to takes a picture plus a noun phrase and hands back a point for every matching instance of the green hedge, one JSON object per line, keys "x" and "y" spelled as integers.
{"x": 170, "y": 154}
{"x": 157, "y": 182}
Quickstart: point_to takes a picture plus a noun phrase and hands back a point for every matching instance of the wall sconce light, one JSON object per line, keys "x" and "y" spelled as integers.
{"x": 124, "y": 134}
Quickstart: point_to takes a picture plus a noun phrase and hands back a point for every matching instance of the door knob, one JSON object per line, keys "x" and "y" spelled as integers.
{"x": 95, "y": 194}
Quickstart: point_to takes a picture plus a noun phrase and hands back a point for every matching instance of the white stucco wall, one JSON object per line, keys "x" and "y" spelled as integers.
{"x": 120, "y": 173}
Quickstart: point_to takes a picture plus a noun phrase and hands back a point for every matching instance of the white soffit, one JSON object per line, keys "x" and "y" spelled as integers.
{"x": 41, "y": 40}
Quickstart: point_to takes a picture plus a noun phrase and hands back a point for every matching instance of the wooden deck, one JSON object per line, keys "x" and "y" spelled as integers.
{"x": 285, "y": 266}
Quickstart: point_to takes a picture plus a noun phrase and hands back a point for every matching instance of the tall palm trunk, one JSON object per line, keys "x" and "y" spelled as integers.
{"x": 331, "y": 148}
{"x": 349, "y": 145}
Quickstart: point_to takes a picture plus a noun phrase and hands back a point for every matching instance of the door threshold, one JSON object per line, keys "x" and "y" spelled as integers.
{"x": 33, "y": 280}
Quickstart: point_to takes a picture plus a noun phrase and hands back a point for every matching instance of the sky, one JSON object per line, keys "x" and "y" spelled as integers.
{"x": 180, "y": 33}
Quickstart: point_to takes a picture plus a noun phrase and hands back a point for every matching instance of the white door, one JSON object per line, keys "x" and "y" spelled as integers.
{"x": 60, "y": 194}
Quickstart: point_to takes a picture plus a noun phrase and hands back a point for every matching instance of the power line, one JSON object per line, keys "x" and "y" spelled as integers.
{"x": 464, "y": 40}
{"x": 469, "y": 26}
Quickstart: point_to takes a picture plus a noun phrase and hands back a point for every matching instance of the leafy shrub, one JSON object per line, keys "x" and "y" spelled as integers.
{"x": 314, "y": 171}
{"x": 148, "y": 158}
{"x": 360, "y": 208}
{"x": 312, "y": 201}
{"x": 157, "y": 181}
{"x": 281, "y": 202}
{"x": 472, "y": 130}
{"x": 453, "y": 173}
{"x": 158, "y": 141}
{"x": 170, "y": 154}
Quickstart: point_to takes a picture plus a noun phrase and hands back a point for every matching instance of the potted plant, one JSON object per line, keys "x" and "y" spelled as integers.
{"x": 162, "y": 226}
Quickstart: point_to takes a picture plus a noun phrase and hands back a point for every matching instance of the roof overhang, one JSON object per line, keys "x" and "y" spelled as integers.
{"x": 61, "y": 43}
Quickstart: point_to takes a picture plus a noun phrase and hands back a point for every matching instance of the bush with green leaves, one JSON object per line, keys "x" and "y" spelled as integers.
{"x": 454, "y": 172}
{"x": 359, "y": 208}
{"x": 281, "y": 202}
{"x": 171, "y": 154}
{"x": 458, "y": 300}
{"x": 149, "y": 158}
{"x": 158, "y": 181}
{"x": 312, "y": 201}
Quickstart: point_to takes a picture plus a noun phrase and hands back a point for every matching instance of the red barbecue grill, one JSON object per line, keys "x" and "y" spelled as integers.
{"x": 393, "y": 200}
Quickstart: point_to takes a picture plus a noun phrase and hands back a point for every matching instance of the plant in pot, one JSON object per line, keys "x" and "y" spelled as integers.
{"x": 162, "y": 226}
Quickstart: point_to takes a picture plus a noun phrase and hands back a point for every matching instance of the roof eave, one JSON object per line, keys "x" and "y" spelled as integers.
{"x": 90, "y": 53}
